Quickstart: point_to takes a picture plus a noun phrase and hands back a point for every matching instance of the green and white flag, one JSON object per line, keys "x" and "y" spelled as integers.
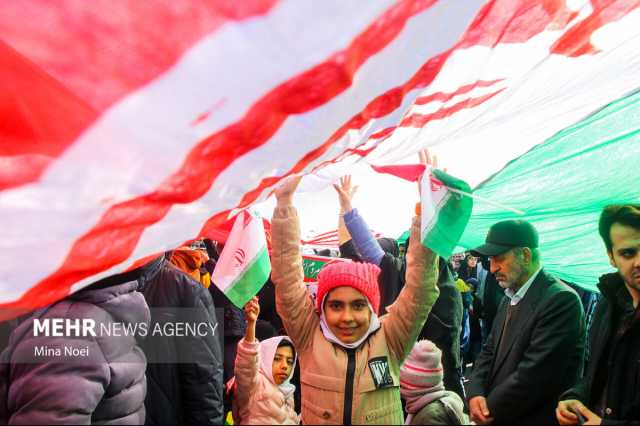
{"x": 445, "y": 211}
{"x": 243, "y": 266}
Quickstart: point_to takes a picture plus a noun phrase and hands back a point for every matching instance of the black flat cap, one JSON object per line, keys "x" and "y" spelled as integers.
{"x": 506, "y": 235}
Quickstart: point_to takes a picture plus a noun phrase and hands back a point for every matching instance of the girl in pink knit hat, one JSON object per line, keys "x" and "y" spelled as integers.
{"x": 421, "y": 386}
{"x": 350, "y": 359}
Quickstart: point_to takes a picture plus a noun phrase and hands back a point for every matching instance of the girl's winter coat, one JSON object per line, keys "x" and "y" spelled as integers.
{"x": 355, "y": 386}
{"x": 258, "y": 400}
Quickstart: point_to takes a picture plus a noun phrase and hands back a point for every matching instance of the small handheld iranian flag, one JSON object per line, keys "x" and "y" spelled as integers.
{"x": 243, "y": 266}
{"x": 446, "y": 208}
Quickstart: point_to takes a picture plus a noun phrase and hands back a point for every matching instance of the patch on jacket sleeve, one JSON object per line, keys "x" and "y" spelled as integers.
{"x": 379, "y": 368}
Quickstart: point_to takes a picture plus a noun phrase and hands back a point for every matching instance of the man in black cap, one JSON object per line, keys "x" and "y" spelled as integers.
{"x": 536, "y": 346}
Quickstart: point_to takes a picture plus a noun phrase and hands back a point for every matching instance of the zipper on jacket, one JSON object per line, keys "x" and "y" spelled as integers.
{"x": 348, "y": 386}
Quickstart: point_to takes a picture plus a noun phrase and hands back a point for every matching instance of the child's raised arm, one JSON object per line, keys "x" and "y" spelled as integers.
{"x": 247, "y": 364}
{"x": 408, "y": 313}
{"x": 293, "y": 302}
{"x": 247, "y": 359}
{"x": 251, "y": 312}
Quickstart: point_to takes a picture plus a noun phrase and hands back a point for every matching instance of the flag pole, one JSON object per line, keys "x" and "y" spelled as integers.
{"x": 486, "y": 200}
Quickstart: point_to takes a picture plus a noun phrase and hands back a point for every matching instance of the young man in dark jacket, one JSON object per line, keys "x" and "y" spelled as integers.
{"x": 610, "y": 386}
{"x": 184, "y": 375}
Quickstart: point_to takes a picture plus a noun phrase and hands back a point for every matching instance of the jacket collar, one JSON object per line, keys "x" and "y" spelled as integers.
{"x": 519, "y": 295}
{"x": 613, "y": 288}
{"x": 526, "y": 309}
{"x": 150, "y": 270}
{"x": 610, "y": 284}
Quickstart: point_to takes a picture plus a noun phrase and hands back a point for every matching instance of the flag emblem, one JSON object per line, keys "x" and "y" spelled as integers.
{"x": 244, "y": 264}
{"x": 445, "y": 212}
{"x": 238, "y": 258}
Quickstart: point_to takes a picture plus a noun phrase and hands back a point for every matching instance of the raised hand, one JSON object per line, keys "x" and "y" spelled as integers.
{"x": 429, "y": 161}
{"x": 284, "y": 193}
{"x": 345, "y": 191}
{"x": 252, "y": 310}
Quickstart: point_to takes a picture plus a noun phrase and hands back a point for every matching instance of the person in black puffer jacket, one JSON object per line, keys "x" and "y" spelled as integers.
{"x": 107, "y": 386}
{"x": 189, "y": 391}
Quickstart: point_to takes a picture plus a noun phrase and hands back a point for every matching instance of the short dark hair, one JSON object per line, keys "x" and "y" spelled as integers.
{"x": 348, "y": 251}
{"x": 624, "y": 214}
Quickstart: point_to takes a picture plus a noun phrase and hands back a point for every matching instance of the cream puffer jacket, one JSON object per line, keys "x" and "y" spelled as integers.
{"x": 371, "y": 371}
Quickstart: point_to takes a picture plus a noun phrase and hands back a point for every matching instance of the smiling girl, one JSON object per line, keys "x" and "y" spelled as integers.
{"x": 350, "y": 358}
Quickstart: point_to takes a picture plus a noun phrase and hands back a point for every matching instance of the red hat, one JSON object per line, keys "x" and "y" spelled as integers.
{"x": 361, "y": 276}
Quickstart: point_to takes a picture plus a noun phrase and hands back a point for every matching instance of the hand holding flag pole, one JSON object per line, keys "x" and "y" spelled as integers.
{"x": 446, "y": 204}
{"x": 431, "y": 161}
{"x": 428, "y": 161}
{"x": 444, "y": 216}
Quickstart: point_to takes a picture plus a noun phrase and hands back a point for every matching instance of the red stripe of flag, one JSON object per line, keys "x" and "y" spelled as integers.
{"x": 52, "y": 81}
{"x": 415, "y": 120}
{"x": 499, "y": 21}
{"x": 410, "y": 172}
{"x": 577, "y": 40}
{"x": 487, "y": 29}
{"x": 40, "y": 117}
{"x": 114, "y": 238}
{"x": 495, "y": 23}
{"x": 420, "y": 120}
{"x": 447, "y": 96}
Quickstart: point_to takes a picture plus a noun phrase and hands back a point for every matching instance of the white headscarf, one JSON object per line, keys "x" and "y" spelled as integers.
{"x": 374, "y": 325}
{"x": 268, "y": 349}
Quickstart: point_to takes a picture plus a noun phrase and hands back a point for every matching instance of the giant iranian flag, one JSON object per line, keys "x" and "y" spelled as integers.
{"x": 129, "y": 127}
{"x": 244, "y": 265}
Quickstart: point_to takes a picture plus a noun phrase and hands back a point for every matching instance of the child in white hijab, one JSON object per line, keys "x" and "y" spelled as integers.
{"x": 263, "y": 392}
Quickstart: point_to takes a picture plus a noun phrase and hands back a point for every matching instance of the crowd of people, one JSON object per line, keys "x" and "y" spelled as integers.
{"x": 395, "y": 335}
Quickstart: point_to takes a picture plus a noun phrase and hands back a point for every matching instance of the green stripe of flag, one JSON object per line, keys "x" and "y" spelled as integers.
{"x": 563, "y": 185}
{"x": 251, "y": 281}
{"x": 453, "y": 211}
{"x": 437, "y": 238}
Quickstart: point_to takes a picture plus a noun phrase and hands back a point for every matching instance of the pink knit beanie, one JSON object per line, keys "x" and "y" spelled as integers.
{"x": 361, "y": 276}
{"x": 421, "y": 372}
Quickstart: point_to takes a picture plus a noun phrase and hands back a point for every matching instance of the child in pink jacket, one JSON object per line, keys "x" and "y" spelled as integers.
{"x": 263, "y": 393}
